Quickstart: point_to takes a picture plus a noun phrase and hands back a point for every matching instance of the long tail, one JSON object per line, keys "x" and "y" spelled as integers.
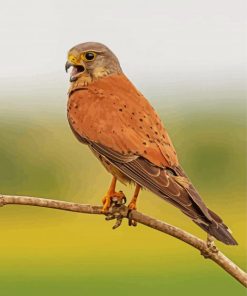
{"x": 218, "y": 230}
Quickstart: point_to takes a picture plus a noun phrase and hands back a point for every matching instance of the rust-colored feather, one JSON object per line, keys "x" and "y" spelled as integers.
{"x": 127, "y": 136}
{"x": 112, "y": 106}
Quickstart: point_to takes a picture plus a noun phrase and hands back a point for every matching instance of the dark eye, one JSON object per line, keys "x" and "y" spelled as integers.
{"x": 89, "y": 56}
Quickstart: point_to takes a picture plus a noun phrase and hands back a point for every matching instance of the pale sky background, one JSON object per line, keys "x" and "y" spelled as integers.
{"x": 166, "y": 47}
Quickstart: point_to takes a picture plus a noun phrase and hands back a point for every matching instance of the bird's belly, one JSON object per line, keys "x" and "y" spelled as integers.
{"x": 111, "y": 168}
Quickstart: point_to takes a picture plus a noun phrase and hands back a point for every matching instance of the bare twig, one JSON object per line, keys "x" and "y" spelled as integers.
{"x": 120, "y": 212}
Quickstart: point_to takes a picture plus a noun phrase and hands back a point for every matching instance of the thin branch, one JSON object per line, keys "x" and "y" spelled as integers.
{"x": 120, "y": 212}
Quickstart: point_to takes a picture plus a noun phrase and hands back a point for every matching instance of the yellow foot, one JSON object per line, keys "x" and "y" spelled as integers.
{"x": 132, "y": 205}
{"x": 110, "y": 197}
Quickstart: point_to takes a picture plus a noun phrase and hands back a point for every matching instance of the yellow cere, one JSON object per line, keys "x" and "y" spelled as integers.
{"x": 73, "y": 59}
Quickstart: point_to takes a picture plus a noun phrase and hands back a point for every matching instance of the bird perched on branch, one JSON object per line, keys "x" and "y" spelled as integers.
{"x": 107, "y": 113}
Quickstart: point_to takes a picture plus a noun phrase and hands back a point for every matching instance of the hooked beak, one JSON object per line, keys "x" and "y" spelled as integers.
{"x": 76, "y": 72}
{"x": 67, "y": 66}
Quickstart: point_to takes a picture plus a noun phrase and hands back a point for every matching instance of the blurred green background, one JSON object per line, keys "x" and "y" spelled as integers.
{"x": 189, "y": 59}
{"x": 45, "y": 251}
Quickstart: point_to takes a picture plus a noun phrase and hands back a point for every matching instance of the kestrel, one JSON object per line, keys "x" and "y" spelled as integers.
{"x": 108, "y": 114}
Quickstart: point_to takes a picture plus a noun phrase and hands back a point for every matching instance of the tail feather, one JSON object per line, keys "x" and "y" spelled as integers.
{"x": 218, "y": 229}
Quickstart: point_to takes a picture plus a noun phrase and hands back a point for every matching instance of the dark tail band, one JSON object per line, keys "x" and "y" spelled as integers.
{"x": 220, "y": 231}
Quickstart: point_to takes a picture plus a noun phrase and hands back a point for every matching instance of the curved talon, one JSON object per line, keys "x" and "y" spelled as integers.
{"x": 116, "y": 198}
{"x": 131, "y": 222}
{"x": 132, "y": 207}
{"x": 119, "y": 200}
{"x": 113, "y": 203}
{"x": 112, "y": 197}
{"x": 113, "y": 216}
{"x": 118, "y": 223}
{"x": 110, "y": 217}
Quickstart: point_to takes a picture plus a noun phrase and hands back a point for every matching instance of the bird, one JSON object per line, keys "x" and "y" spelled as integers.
{"x": 107, "y": 113}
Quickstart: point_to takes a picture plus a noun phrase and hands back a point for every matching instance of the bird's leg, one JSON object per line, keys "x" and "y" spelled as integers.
{"x": 112, "y": 194}
{"x": 132, "y": 204}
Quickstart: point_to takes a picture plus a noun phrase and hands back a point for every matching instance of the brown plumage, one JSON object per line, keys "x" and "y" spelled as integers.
{"x": 113, "y": 118}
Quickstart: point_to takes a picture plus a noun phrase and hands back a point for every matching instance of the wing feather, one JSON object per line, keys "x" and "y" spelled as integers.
{"x": 117, "y": 122}
{"x": 161, "y": 182}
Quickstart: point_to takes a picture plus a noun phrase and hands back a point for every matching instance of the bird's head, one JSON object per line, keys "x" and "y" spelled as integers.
{"x": 92, "y": 59}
